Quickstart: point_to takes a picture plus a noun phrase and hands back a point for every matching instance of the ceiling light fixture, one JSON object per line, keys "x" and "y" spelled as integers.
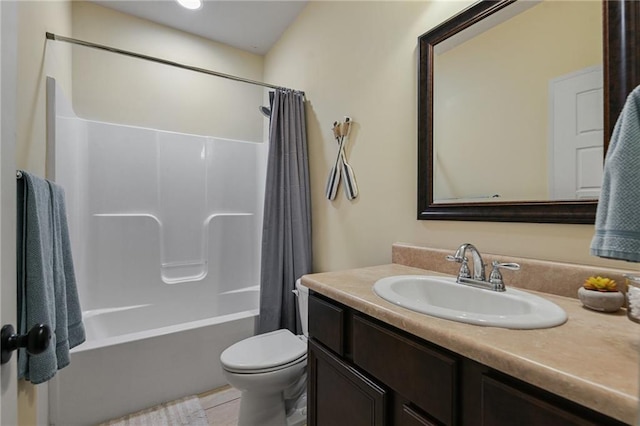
{"x": 190, "y": 4}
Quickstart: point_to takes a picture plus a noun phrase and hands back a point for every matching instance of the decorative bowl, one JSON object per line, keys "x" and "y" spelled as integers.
{"x": 603, "y": 301}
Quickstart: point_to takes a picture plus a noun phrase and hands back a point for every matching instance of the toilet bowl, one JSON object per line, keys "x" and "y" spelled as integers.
{"x": 270, "y": 371}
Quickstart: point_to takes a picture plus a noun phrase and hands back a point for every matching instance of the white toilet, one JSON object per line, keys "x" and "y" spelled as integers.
{"x": 270, "y": 370}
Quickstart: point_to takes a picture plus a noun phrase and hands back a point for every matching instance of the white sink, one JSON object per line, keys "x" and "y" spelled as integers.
{"x": 442, "y": 297}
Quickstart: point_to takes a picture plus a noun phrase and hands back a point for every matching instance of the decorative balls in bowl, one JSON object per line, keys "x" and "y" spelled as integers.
{"x": 633, "y": 297}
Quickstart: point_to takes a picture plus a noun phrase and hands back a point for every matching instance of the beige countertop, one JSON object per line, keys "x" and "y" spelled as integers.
{"x": 592, "y": 359}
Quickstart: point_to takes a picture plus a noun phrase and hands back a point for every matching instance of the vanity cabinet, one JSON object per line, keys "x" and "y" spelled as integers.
{"x": 365, "y": 372}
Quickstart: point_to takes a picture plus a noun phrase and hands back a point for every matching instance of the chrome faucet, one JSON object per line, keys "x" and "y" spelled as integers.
{"x": 479, "y": 277}
{"x": 478, "y": 264}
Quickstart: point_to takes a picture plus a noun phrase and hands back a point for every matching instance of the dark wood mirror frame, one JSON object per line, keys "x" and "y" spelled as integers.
{"x": 621, "y": 43}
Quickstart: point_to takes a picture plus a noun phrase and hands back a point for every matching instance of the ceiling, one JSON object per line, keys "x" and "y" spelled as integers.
{"x": 249, "y": 25}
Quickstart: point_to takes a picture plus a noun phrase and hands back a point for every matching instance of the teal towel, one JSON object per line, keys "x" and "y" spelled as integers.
{"x": 618, "y": 216}
{"x": 47, "y": 290}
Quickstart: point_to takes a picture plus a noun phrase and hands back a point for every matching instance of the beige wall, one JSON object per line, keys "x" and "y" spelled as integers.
{"x": 360, "y": 59}
{"x": 497, "y": 84}
{"x": 125, "y": 90}
{"x": 37, "y": 59}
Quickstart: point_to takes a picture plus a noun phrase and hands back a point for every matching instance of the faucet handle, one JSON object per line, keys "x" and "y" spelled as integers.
{"x": 509, "y": 266}
{"x": 464, "y": 268}
{"x": 451, "y": 258}
{"x": 496, "y": 276}
{"x": 464, "y": 271}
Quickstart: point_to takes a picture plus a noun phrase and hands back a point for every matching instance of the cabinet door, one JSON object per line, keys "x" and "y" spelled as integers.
{"x": 410, "y": 417}
{"x": 504, "y": 405}
{"x": 340, "y": 395}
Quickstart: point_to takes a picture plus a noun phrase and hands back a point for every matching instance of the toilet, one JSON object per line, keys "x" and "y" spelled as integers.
{"x": 270, "y": 370}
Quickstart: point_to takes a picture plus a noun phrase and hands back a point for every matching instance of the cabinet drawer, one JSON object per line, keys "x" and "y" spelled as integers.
{"x": 326, "y": 324}
{"x": 505, "y": 405}
{"x": 425, "y": 377}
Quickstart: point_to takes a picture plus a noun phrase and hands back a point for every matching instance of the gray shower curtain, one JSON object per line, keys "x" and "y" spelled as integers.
{"x": 286, "y": 232}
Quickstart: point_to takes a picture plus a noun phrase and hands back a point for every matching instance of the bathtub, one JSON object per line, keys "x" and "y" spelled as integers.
{"x": 114, "y": 374}
{"x": 166, "y": 248}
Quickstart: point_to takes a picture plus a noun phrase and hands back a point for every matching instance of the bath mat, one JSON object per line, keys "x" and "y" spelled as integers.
{"x": 183, "y": 412}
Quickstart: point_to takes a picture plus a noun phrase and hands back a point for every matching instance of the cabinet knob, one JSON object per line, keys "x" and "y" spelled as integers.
{"x": 36, "y": 341}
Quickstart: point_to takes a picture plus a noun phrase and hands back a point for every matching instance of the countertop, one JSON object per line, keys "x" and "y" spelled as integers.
{"x": 592, "y": 359}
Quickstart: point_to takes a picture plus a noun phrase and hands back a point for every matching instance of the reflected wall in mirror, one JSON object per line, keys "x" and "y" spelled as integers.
{"x": 494, "y": 122}
{"x": 513, "y": 101}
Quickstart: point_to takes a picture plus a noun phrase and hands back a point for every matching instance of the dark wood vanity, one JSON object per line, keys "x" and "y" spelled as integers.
{"x": 363, "y": 371}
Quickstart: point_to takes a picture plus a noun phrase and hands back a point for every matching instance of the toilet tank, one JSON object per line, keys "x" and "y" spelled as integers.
{"x": 302, "y": 293}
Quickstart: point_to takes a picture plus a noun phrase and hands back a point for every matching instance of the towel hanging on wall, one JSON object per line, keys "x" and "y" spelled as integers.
{"x": 47, "y": 291}
{"x": 617, "y": 225}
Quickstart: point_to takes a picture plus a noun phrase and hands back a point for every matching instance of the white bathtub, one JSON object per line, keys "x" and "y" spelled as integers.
{"x": 165, "y": 230}
{"x": 114, "y": 374}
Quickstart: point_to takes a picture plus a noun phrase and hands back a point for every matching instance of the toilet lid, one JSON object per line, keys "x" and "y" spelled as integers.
{"x": 264, "y": 351}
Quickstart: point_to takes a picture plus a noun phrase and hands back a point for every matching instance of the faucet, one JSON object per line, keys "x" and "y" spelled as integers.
{"x": 461, "y": 257}
{"x": 495, "y": 282}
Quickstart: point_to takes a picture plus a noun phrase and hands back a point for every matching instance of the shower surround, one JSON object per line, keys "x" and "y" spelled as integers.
{"x": 165, "y": 229}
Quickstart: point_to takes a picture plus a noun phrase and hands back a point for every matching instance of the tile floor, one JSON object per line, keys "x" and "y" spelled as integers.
{"x": 221, "y": 405}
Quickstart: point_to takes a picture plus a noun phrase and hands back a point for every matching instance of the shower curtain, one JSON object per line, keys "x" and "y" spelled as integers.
{"x": 286, "y": 233}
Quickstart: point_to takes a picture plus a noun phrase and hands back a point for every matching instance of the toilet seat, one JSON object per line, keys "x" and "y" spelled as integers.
{"x": 264, "y": 353}
{"x": 301, "y": 360}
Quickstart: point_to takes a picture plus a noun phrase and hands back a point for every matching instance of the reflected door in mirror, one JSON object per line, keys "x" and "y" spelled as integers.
{"x": 576, "y": 151}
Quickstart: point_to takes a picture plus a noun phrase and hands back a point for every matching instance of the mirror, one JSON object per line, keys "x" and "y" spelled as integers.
{"x": 491, "y": 106}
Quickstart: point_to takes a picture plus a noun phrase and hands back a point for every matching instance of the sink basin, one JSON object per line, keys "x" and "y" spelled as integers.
{"x": 442, "y": 297}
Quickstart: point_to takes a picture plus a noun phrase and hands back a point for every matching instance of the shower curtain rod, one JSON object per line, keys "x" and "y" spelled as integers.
{"x": 51, "y": 36}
